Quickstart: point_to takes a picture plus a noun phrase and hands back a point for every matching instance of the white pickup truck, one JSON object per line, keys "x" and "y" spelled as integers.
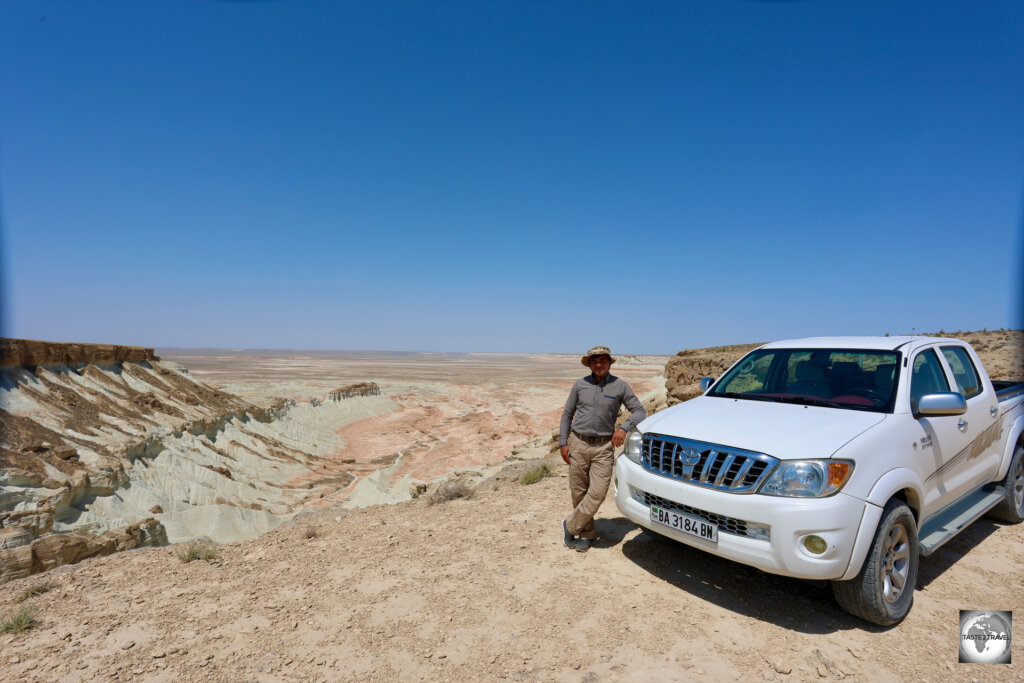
{"x": 840, "y": 458}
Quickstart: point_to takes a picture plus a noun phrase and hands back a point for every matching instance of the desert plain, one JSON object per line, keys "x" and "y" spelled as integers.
{"x": 451, "y": 410}
{"x": 478, "y": 587}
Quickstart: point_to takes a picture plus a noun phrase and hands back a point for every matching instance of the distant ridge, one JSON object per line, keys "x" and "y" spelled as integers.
{"x": 32, "y": 352}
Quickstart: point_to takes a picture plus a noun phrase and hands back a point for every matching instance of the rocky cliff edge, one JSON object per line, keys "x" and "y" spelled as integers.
{"x": 105, "y": 448}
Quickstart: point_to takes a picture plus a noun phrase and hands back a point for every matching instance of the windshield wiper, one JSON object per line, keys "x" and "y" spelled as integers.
{"x": 810, "y": 401}
{"x": 798, "y": 400}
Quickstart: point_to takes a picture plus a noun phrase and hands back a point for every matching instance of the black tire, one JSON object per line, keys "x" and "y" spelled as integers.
{"x": 883, "y": 591}
{"x": 1011, "y": 509}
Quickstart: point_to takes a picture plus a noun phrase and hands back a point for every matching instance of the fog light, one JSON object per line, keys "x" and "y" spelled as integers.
{"x": 815, "y": 544}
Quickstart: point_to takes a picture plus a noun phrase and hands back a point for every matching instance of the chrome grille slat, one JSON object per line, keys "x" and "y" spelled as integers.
{"x": 724, "y": 469}
{"x": 742, "y": 474}
{"x": 705, "y": 464}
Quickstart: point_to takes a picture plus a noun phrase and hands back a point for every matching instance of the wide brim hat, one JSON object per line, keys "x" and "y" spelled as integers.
{"x": 596, "y": 351}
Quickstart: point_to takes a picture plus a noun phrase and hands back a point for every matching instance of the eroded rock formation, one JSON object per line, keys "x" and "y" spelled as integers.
{"x": 30, "y": 353}
{"x": 684, "y": 371}
{"x": 18, "y": 560}
{"x": 1001, "y": 351}
{"x": 80, "y": 423}
{"x": 358, "y": 389}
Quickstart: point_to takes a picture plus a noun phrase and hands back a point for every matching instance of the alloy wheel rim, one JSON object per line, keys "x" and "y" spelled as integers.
{"x": 896, "y": 563}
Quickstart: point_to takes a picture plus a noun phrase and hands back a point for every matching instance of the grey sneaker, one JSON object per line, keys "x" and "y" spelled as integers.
{"x": 568, "y": 539}
{"x": 583, "y": 544}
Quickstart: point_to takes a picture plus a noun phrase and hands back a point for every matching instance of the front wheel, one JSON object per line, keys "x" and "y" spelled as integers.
{"x": 883, "y": 591}
{"x": 1011, "y": 508}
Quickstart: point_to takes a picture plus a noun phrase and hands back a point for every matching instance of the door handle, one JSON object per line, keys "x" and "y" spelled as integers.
{"x": 962, "y": 425}
{"x": 993, "y": 411}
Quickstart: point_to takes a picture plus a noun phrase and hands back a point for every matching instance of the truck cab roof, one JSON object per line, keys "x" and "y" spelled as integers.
{"x": 874, "y": 343}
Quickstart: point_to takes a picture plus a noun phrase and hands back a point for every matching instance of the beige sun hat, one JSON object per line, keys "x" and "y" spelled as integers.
{"x": 596, "y": 351}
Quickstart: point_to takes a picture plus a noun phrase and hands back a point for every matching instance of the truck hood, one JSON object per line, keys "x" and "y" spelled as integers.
{"x": 783, "y": 430}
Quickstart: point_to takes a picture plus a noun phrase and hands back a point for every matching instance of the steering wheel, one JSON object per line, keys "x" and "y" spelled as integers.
{"x": 867, "y": 393}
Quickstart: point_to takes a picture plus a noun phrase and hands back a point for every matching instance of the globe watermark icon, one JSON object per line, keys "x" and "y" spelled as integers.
{"x": 985, "y": 637}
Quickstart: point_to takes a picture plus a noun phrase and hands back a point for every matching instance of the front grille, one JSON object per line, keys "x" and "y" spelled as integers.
{"x": 728, "y": 525}
{"x": 704, "y": 464}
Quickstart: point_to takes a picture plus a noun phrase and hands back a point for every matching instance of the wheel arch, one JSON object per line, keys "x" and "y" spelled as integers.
{"x": 1014, "y": 439}
{"x": 903, "y": 484}
{"x": 899, "y": 484}
{"x": 869, "y": 590}
{"x": 912, "y": 500}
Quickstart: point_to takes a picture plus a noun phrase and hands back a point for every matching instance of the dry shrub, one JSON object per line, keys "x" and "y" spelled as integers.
{"x": 450, "y": 490}
{"x": 197, "y": 550}
{"x": 536, "y": 473}
{"x": 21, "y": 620}
{"x": 34, "y": 590}
{"x": 312, "y": 531}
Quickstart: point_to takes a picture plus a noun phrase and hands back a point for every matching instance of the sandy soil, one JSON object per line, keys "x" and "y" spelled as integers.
{"x": 483, "y": 589}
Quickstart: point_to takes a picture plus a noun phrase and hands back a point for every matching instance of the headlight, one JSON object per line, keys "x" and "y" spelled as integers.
{"x": 633, "y": 443}
{"x": 807, "y": 478}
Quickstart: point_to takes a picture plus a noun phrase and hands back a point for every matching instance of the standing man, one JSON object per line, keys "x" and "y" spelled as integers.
{"x": 589, "y": 415}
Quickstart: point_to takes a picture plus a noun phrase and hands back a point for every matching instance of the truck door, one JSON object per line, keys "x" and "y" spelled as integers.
{"x": 942, "y": 441}
{"x": 980, "y": 424}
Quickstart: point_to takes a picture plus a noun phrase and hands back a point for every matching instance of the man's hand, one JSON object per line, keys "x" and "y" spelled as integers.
{"x": 565, "y": 454}
{"x": 619, "y": 437}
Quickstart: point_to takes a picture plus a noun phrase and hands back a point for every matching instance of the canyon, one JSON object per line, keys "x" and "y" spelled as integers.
{"x": 106, "y": 448}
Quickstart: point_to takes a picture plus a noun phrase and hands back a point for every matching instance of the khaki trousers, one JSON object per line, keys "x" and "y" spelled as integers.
{"x": 590, "y": 473}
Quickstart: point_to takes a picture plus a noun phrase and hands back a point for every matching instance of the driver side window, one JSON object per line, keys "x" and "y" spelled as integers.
{"x": 927, "y": 378}
{"x": 967, "y": 382}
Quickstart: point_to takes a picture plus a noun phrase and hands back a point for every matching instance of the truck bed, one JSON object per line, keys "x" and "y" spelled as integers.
{"x": 1008, "y": 390}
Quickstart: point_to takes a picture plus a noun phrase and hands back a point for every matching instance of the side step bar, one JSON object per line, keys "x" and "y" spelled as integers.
{"x": 952, "y": 520}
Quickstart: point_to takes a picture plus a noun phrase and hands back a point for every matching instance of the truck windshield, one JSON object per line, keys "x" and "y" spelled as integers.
{"x": 837, "y": 378}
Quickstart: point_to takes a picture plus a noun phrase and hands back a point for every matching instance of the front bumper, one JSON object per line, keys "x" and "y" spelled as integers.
{"x": 838, "y": 519}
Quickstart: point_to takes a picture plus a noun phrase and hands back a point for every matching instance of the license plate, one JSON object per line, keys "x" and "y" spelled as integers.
{"x": 695, "y": 526}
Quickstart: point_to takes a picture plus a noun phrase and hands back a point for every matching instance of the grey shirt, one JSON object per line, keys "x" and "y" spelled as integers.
{"x": 592, "y": 407}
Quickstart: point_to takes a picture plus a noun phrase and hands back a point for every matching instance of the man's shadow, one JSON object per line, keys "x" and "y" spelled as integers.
{"x": 610, "y": 532}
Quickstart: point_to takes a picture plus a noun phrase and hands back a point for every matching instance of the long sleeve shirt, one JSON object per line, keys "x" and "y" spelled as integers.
{"x": 593, "y": 406}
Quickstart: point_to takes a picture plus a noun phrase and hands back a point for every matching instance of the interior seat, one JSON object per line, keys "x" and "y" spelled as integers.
{"x": 884, "y": 375}
{"x": 810, "y": 380}
{"x": 847, "y": 375}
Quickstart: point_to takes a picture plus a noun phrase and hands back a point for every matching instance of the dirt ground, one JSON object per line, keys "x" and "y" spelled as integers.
{"x": 482, "y": 589}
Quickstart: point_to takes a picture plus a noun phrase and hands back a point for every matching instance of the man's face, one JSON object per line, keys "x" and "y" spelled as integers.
{"x": 599, "y": 365}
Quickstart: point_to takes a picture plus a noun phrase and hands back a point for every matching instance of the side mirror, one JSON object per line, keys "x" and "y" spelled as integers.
{"x": 941, "y": 405}
{"x": 706, "y": 382}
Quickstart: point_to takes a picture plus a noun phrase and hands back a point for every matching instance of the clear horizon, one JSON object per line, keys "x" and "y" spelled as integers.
{"x": 159, "y": 349}
{"x": 508, "y": 178}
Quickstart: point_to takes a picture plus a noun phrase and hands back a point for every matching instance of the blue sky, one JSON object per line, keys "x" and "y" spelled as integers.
{"x": 485, "y": 176}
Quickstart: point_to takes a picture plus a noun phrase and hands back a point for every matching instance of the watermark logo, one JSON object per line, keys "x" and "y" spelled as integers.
{"x": 985, "y": 637}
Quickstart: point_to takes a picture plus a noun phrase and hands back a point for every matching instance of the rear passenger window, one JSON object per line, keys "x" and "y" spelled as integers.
{"x": 963, "y": 370}
{"x": 927, "y": 378}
